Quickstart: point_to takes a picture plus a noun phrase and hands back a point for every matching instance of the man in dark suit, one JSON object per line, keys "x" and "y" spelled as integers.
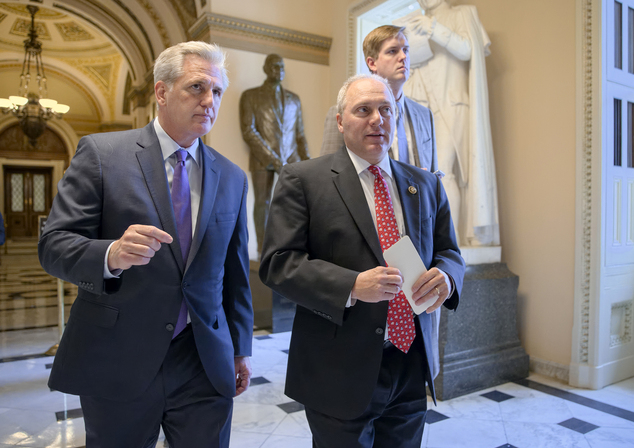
{"x": 271, "y": 124}
{"x": 361, "y": 385}
{"x": 151, "y": 225}
{"x": 386, "y": 52}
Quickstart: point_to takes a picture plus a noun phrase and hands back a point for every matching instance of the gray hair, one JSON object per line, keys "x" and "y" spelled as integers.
{"x": 169, "y": 65}
{"x": 343, "y": 92}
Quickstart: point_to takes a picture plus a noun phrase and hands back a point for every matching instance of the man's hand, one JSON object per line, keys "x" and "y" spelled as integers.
{"x": 136, "y": 247}
{"x": 378, "y": 284}
{"x": 433, "y": 284}
{"x": 243, "y": 373}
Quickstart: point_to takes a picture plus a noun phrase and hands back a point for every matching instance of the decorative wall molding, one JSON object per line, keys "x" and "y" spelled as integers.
{"x": 233, "y": 32}
{"x": 586, "y": 169}
{"x": 622, "y": 313}
{"x": 550, "y": 369}
{"x": 353, "y": 13}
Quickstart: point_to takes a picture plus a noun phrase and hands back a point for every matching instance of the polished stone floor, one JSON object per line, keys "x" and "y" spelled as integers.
{"x": 535, "y": 413}
{"x": 538, "y": 412}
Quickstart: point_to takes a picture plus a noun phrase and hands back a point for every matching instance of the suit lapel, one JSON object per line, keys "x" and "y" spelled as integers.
{"x": 348, "y": 184}
{"x": 208, "y": 193}
{"x": 409, "y": 192}
{"x": 152, "y": 165}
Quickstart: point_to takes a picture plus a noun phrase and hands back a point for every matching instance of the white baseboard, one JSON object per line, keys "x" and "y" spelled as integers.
{"x": 550, "y": 368}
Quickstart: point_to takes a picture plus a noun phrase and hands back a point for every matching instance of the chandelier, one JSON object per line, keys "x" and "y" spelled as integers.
{"x": 32, "y": 109}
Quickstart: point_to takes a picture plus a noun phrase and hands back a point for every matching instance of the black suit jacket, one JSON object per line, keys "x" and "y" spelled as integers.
{"x": 119, "y": 330}
{"x": 319, "y": 237}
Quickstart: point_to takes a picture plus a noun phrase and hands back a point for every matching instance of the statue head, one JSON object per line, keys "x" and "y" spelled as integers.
{"x": 429, "y": 5}
{"x": 274, "y": 68}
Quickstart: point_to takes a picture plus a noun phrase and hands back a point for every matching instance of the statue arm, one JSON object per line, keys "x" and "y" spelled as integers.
{"x": 259, "y": 147}
{"x": 456, "y": 42}
{"x": 300, "y": 138}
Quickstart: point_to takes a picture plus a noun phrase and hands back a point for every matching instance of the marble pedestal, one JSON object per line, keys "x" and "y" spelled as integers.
{"x": 479, "y": 346}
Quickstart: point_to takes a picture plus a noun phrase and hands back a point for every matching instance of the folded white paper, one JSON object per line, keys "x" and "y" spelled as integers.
{"x": 403, "y": 256}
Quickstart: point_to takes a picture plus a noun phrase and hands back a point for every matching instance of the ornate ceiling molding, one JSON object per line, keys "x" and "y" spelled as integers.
{"x": 158, "y": 23}
{"x": 72, "y": 32}
{"x": 21, "y": 27}
{"x": 233, "y": 32}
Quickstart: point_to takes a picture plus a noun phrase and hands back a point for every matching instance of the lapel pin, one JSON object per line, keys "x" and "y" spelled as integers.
{"x": 412, "y": 189}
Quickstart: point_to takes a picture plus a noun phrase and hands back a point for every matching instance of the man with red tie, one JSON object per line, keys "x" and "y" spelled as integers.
{"x": 359, "y": 358}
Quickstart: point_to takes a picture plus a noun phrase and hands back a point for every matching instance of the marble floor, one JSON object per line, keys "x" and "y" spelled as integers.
{"x": 538, "y": 412}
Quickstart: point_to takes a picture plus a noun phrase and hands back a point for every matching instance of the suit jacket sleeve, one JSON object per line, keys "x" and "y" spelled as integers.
{"x": 70, "y": 247}
{"x": 236, "y": 293}
{"x": 333, "y": 139}
{"x": 258, "y": 146}
{"x": 287, "y": 267}
{"x": 446, "y": 252}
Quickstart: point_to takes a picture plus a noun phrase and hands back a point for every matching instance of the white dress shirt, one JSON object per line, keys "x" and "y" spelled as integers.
{"x": 194, "y": 167}
{"x": 408, "y": 133}
{"x": 367, "y": 184}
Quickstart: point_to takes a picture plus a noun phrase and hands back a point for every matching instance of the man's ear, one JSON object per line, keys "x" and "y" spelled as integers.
{"x": 339, "y": 125}
{"x": 371, "y": 63}
{"x": 160, "y": 89}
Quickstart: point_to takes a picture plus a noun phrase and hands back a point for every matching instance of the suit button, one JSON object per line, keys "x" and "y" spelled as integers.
{"x": 169, "y": 327}
{"x": 379, "y": 330}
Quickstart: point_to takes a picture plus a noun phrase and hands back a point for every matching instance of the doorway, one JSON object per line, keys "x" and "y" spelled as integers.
{"x": 27, "y": 196}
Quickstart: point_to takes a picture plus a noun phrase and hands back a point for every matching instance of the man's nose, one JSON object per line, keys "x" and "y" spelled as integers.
{"x": 208, "y": 99}
{"x": 376, "y": 119}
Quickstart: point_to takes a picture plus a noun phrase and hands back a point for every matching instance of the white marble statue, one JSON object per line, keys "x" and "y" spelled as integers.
{"x": 448, "y": 75}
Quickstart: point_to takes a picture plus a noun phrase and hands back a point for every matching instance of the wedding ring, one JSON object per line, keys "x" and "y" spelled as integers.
{"x": 437, "y": 290}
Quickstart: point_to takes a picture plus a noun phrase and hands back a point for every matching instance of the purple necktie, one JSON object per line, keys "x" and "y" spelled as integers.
{"x": 181, "y": 199}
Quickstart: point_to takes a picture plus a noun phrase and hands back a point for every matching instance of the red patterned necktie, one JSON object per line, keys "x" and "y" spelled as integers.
{"x": 400, "y": 317}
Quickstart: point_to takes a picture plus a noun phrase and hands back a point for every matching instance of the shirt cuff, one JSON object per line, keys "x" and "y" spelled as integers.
{"x": 451, "y": 287}
{"x": 106, "y": 272}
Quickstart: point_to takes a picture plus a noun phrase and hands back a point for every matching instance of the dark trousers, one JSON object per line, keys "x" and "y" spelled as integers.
{"x": 181, "y": 399}
{"x": 395, "y": 417}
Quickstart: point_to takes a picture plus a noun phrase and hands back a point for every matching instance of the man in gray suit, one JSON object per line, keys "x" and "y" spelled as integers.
{"x": 361, "y": 386}
{"x": 151, "y": 225}
{"x": 272, "y": 126}
{"x": 386, "y": 53}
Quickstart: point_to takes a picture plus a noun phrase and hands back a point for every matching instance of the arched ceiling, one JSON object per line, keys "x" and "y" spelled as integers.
{"x": 90, "y": 48}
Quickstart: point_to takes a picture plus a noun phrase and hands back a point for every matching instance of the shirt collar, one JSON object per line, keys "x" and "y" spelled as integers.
{"x": 361, "y": 165}
{"x": 169, "y": 146}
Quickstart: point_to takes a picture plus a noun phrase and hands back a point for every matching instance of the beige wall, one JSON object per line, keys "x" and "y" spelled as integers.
{"x": 306, "y": 79}
{"x": 531, "y": 74}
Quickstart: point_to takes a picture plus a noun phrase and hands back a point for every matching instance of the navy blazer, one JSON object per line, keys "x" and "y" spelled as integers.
{"x": 319, "y": 237}
{"x": 119, "y": 330}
